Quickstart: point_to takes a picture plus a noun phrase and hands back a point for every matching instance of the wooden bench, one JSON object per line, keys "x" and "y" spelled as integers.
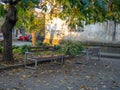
{"x": 42, "y": 53}
{"x": 92, "y": 52}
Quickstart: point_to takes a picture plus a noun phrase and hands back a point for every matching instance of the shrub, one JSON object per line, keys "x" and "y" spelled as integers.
{"x": 57, "y": 47}
{"x": 39, "y": 43}
{"x": 1, "y": 44}
{"x": 46, "y": 44}
{"x": 1, "y": 49}
{"x": 72, "y": 49}
{"x": 15, "y": 47}
{"x": 24, "y": 48}
{"x": 17, "y": 50}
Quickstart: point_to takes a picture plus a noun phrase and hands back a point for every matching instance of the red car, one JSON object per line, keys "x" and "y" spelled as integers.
{"x": 24, "y": 37}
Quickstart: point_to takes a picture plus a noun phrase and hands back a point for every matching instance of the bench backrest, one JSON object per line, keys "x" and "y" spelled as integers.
{"x": 40, "y": 48}
{"x": 93, "y": 50}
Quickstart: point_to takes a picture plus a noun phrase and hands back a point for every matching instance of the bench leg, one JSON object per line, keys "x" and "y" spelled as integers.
{"x": 25, "y": 62}
{"x": 99, "y": 56}
{"x": 36, "y": 64}
{"x": 86, "y": 57}
{"x": 62, "y": 59}
{"x": 25, "y": 59}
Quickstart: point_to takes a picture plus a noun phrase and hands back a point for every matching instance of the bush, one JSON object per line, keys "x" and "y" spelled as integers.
{"x": 15, "y": 47}
{"x": 39, "y": 43}
{"x": 1, "y": 49}
{"x": 24, "y": 48}
{"x": 72, "y": 49}
{"x": 46, "y": 44}
{"x": 57, "y": 47}
{"x": 1, "y": 44}
{"x": 17, "y": 50}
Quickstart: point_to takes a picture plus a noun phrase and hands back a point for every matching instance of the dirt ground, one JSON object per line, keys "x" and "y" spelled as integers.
{"x": 95, "y": 75}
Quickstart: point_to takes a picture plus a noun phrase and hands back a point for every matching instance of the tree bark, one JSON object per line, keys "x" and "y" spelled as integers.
{"x": 10, "y": 21}
{"x": 33, "y": 38}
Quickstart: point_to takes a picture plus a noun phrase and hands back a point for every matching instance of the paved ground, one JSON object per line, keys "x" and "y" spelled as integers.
{"x": 96, "y": 75}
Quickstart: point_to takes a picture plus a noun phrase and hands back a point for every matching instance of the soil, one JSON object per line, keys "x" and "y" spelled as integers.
{"x": 74, "y": 74}
{"x": 18, "y": 59}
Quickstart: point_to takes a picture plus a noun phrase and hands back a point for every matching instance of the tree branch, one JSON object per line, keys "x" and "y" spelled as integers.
{"x": 11, "y": 2}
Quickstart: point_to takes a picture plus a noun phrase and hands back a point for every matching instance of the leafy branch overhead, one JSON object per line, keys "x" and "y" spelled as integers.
{"x": 75, "y": 11}
{"x": 90, "y": 11}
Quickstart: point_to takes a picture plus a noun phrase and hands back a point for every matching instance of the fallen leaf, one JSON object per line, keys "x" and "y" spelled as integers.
{"x": 104, "y": 86}
{"x": 47, "y": 84}
{"x": 38, "y": 81}
{"x": 88, "y": 77}
{"x": 24, "y": 76}
{"x": 69, "y": 88}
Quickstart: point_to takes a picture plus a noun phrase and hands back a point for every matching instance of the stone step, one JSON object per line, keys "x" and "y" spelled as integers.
{"x": 110, "y": 55}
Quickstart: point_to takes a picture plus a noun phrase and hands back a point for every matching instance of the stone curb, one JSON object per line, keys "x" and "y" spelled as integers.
{"x": 11, "y": 67}
{"x": 110, "y": 55}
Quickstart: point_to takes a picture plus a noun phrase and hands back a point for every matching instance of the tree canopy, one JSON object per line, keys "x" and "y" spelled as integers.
{"x": 90, "y": 11}
{"x": 75, "y": 11}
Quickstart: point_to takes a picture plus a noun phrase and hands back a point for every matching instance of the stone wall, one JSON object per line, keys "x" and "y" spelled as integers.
{"x": 107, "y": 32}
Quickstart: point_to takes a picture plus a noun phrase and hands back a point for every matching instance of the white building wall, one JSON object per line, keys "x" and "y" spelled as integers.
{"x": 100, "y": 32}
{"x": 118, "y": 32}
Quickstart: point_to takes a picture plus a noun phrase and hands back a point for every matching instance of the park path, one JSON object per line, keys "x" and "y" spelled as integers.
{"x": 96, "y": 75}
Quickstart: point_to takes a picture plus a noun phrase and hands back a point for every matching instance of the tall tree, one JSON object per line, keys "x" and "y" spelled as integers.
{"x": 10, "y": 21}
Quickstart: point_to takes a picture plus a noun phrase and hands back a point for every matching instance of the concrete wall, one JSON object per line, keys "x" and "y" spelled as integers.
{"x": 107, "y": 32}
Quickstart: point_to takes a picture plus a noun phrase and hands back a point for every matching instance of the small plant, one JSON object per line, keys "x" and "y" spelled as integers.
{"x": 72, "y": 49}
{"x": 1, "y": 44}
{"x": 39, "y": 43}
{"x": 1, "y": 49}
{"x": 46, "y": 44}
{"x": 20, "y": 49}
{"x": 15, "y": 47}
{"x": 17, "y": 50}
{"x": 24, "y": 48}
{"x": 57, "y": 47}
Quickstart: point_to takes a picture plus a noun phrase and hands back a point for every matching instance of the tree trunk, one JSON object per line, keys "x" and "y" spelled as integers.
{"x": 7, "y": 48}
{"x": 33, "y": 38}
{"x": 10, "y": 21}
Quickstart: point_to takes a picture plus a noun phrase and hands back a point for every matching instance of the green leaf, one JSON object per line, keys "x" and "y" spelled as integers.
{"x": 2, "y": 10}
{"x": 35, "y": 1}
{"x": 25, "y": 2}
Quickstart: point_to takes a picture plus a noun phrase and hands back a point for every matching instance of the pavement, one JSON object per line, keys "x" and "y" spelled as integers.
{"x": 110, "y": 55}
{"x": 96, "y": 75}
